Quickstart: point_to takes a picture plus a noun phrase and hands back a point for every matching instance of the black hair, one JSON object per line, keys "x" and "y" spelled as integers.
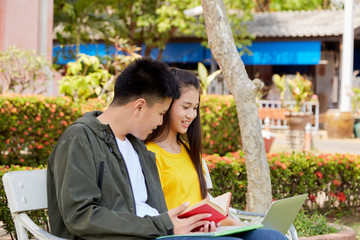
{"x": 146, "y": 78}
{"x": 192, "y": 139}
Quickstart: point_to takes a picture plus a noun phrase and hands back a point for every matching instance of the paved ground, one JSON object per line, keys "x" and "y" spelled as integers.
{"x": 320, "y": 143}
{"x": 3, "y": 235}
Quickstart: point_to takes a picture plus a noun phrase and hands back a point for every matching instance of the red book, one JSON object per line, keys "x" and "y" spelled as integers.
{"x": 218, "y": 207}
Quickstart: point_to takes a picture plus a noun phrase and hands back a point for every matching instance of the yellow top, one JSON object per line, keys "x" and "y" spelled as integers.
{"x": 179, "y": 180}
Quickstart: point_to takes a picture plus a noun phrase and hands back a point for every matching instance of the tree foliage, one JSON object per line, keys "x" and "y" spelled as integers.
{"x": 155, "y": 22}
{"x": 77, "y": 21}
{"x": 149, "y": 22}
{"x": 295, "y": 5}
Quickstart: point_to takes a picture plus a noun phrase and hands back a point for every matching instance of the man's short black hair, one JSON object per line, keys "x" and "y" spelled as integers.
{"x": 146, "y": 78}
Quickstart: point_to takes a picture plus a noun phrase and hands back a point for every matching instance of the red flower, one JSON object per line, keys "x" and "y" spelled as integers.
{"x": 341, "y": 196}
{"x": 319, "y": 175}
{"x": 40, "y": 146}
{"x": 312, "y": 198}
{"x": 336, "y": 182}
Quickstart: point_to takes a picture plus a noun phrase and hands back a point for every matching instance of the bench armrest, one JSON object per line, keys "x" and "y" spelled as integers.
{"x": 30, "y": 226}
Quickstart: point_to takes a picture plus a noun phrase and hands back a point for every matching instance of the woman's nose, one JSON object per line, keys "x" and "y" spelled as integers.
{"x": 191, "y": 114}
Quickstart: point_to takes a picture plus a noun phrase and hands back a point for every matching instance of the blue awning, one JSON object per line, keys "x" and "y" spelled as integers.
{"x": 181, "y": 53}
{"x": 65, "y": 54}
{"x": 284, "y": 53}
{"x": 263, "y": 53}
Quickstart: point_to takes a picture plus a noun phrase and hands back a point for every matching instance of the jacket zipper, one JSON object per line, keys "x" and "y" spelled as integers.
{"x": 122, "y": 158}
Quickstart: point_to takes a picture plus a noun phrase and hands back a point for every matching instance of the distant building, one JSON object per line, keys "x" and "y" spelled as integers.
{"x": 323, "y": 28}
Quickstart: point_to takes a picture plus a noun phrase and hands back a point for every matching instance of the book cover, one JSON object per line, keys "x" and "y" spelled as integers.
{"x": 218, "y": 207}
{"x": 221, "y": 231}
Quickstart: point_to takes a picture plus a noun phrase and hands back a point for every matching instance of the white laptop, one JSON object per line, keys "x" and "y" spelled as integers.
{"x": 282, "y": 213}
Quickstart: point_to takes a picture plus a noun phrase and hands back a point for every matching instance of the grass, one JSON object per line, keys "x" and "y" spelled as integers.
{"x": 356, "y": 227}
{"x": 352, "y": 222}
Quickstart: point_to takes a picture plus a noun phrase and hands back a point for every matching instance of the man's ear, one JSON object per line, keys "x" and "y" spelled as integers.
{"x": 139, "y": 105}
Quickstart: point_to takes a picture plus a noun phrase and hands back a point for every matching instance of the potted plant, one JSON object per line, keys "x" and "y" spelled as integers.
{"x": 298, "y": 89}
{"x": 355, "y": 100}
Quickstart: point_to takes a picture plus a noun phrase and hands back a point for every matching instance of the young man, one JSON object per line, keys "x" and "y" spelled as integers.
{"x": 102, "y": 182}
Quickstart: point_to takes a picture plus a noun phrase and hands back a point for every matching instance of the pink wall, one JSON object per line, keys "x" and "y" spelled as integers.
{"x": 19, "y": 25}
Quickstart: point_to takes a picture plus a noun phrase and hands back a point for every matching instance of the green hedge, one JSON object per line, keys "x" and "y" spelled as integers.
{"x": 31, "y": 124}
{"x": 334, "y": 176}
{"x": 220, "y": 125}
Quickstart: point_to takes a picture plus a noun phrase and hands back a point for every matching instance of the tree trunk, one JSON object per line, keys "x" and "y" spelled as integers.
{"x": 244, "y": 90}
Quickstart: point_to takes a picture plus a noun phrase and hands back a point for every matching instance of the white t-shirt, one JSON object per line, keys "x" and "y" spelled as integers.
{"x": 137, "y": 179}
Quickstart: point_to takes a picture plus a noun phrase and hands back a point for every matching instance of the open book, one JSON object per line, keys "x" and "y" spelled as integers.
{"x": 220, "y": 231}
{"x": 218, "y": 207}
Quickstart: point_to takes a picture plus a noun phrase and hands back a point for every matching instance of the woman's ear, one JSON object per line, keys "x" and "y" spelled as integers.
{"x": 139, "y": 105}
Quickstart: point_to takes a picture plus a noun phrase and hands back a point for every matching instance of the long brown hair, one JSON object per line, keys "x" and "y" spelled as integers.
{"x": 192, "y": 139}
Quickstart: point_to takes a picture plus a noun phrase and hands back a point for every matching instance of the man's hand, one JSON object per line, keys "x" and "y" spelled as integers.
{"x": 209, "y": 227}
{"x": 186, "y": 225}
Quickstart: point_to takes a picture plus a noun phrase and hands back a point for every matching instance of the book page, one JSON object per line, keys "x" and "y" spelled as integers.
{"x": 223, "y": 201}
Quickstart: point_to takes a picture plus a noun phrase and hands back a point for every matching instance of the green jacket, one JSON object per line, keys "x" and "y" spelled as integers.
{"x": 89, "y": 190}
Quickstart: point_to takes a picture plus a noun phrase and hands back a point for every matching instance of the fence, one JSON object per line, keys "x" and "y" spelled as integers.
{"x": 275, "y": 111}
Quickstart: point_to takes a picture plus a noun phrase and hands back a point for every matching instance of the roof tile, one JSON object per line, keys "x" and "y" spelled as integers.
{"x": 315, "y": 23}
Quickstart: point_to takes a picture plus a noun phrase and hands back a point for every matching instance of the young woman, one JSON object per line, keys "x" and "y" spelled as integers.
{"x": 177, "y": 146}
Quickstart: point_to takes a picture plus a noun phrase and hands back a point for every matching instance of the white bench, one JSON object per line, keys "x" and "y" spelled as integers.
{"x": 26, "y": 191}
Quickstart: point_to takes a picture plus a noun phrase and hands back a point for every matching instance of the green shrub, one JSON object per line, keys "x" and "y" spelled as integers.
{"x": 228, "y": 174}
{"x": 85, "y": 79}
{"x": 220, "y": 125}
{"x": 22, "y": 70}
{"x": 311, "y": 225}
{"x": 334, "y": 176}
{"x": 31, "y": 124}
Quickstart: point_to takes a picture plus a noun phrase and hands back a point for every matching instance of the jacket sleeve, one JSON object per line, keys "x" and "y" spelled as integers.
{"x": 78, "y": 197}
